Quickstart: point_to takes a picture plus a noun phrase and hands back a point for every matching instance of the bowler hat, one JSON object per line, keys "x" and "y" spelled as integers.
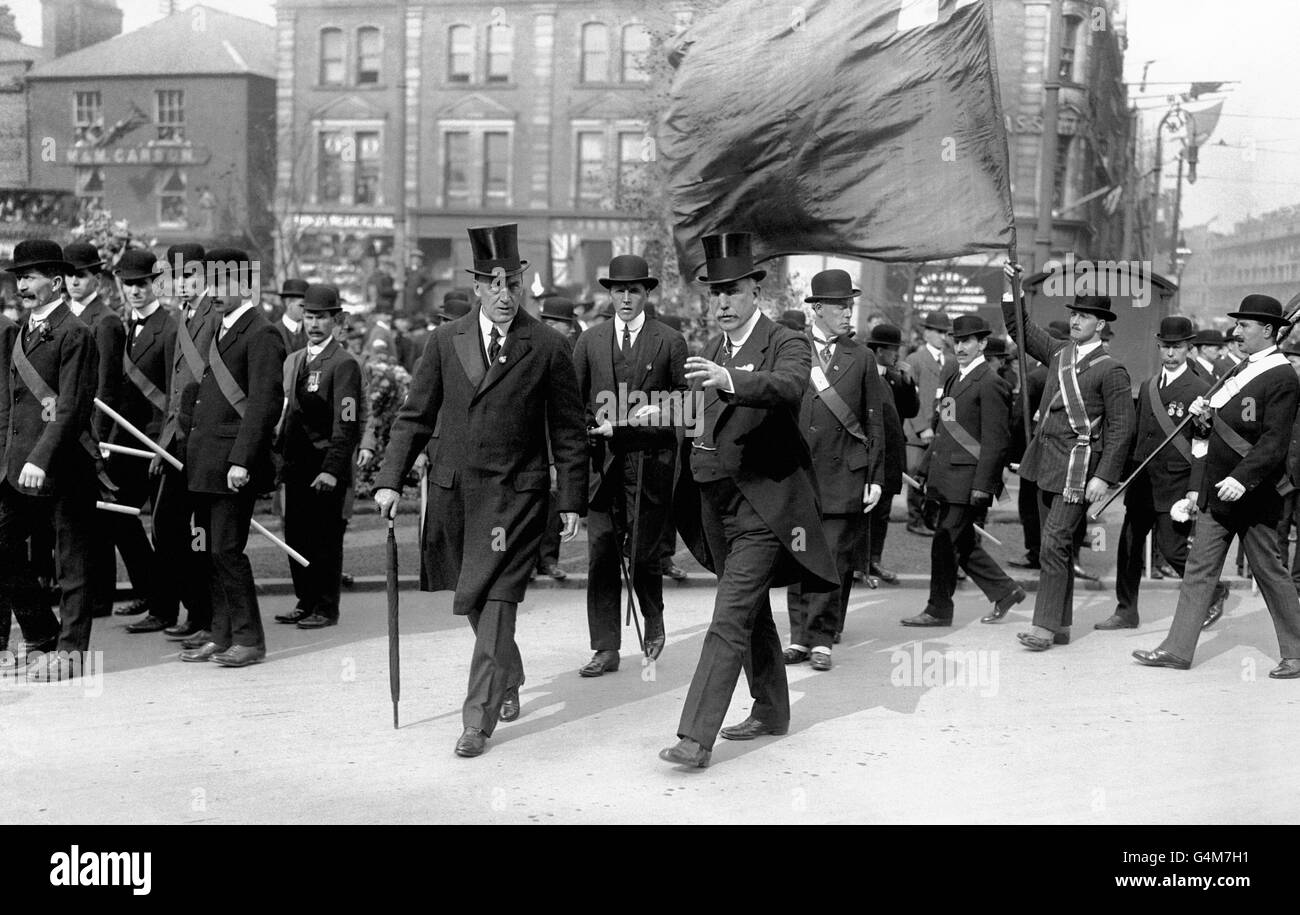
{"x": 970, "y": 326}
{"x": 628, "y": 268}
{"x": 1097, "y": 305}
{"x": 39, "y": 254}
{"x": 794, "y": 319}
{"x": 1210, "y": 336}
{"x": 885, "y": 335}
{"x": 81, "y": 256}
{"x": 997, "y": 348}
{"x": 496, "y": 246}
{"x": 832, "y": 286}
{"x": 319, "y": 297}
{"x": 558, "y": 309}
{"x": 729, "y": 257}
{"x": 1262, "y": 308}
{"x": 937, "y": 320}
{"x": 137, "y": 264}
{"x": 1059, "y": 330}
{"x": 1176, "y": 329}
{"x": 231, "y": 269}
{"x": 188, "y": 252}
{"x": 295, "y": 287}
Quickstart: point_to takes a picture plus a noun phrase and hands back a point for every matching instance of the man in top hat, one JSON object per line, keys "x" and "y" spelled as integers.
{"x": 146, "y": 368}
{"x": 748, "y": 509}
{"x": 290, "y": 323}
{"x": 630, "y": 370}
{"x": 1234, "y": 491}
{"x": 236, "y": 406}
{"x": 318, "y": 434}
{"x": 841, "y": 417}
{"x": 1079, "y": 449}
{"x": 47, "y": 469}
{"x": 1162, "y": 403}
{"x": 498, "y": 386}
{"x": 903, "y": 402}
{"x": 930, "y": 365}
{"x": 962, "y": 471}
{"x": 183, "y": 572}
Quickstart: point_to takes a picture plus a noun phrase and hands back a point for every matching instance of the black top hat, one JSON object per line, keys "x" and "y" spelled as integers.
{"x": 628, "y": 268}
{"x": 832, "y": 286}
{"x": 1210, "y": 336}
{"x": 496, "y": 246}
{"x": 794, "y": 319}
{"x": 320, "y": 297}
{"x": 937, "y": 320}
{"x": 1176, "y": 329}
{"x": 559, "y": 309}
{"x": 137, "y": 264}
{"x": 188, "y": 252}
{"x": 82, "y": 255}
{"x": 1059, "y": 330}
{"x": 295, "y": 287}
{"x": 729, "y": 257}
{"x": 1262, "y": 308}
{"x": 673, "y": 321}
{"x": 1098, "y": 305}
{"x": 885, "y": 335}
{"x": 970, "y": 326}
{"x": 997, "y": 348}
{"x": 39, "y": 254}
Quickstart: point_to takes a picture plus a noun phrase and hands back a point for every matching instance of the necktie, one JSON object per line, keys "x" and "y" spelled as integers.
{"x": 221, "y": 334}
{"x": 825, "y": 353}
{"x": 1164, "y": 380}
{"x": 494, "y": 348}
{"x": 627, "y": 341}
{"x": 726, "y": 347}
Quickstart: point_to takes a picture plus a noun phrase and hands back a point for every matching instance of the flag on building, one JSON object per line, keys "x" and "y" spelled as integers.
{"x": 859, "y": 128}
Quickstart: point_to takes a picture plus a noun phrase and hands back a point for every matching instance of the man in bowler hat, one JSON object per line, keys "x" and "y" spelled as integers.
{"x": 930, "y": 365}
{"x": 902, "y": 402}
{"x": 290, "y": 323}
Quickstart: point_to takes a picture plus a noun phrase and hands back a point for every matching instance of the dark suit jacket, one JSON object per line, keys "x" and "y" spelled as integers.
{"x": 980, "y": 404}
{"x": 322, "y": 427}
{"x": 183, "y": 386}
{"x": 110, "y": 342}
{"x": 843, "y": 465}
{"x": 490, "y": 476}
{"x": 219, "y": 437}
{"x": 1169, "y": 473}
{"x": 657, "y": 364}
{"x": 152, "y": 350}
{"x": 293, "y": 340}
{"x": 68, "y": 362}
{"x": 761, "y": 449}
{"x": 1107, "y": 393}
{"x": 902, "y": 403}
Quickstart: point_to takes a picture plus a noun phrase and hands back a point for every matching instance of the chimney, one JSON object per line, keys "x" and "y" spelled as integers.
{"x": 70, "y": 25}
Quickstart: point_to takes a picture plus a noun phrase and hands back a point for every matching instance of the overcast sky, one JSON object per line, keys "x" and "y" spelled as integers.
{"x": 1252, "y": 41}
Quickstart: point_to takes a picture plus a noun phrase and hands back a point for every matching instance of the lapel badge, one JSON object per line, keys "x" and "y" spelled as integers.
{"x": 313, "y": 381}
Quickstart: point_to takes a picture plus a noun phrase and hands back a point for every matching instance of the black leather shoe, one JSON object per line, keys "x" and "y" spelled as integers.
{"x": 554, "y": 571}
{"x": 204, "y": 652}
{"x": 687, "y": 753}
{"x": 602, "y": 662}
{"x": 673, "y": 570}
{"x": 134, "y": 608}
{"x": 181, "y": 631}
{"x": 750, "y": 728}
{"x": 1003, "y": 606}
{"x": 239, "y": 656}
{"x": 924, "y": 619}
{"x": 916, "y": 527}
{"x": 820, "y": 660}
{"x": 654, "y": 637}
{"x": 1035, "y": 642}
{"x": 316, "y": 621}
{"x": 510, "y": 705}
{"x": 472, "y": 743}
{"x": 1026, "y": 563}
{"x": 794, "y": 655}
{"x": 197, "y": 640}
{"x": 1160, "y": 658}
{"x": 149, "y": 623}
{"x": 1164, "y": 570}
{"x": 297, "y": 614}
{"x": 1081, "y": 572}
{"x": 1289, "y": 669}
{"x": 888, "y": 576}
{"x": 1115, "y": 621}
{"x": 1216, "y": 607}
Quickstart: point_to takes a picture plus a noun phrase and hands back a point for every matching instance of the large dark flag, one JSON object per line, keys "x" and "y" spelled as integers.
{"x": 862, "y": 128}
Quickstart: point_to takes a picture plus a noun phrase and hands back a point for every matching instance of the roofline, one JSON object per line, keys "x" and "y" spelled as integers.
{"x": 249, "y": 73}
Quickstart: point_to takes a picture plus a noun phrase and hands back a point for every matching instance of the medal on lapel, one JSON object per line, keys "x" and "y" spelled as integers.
{"x": 1176, "y": 409}
{"x": 313, "y": 382}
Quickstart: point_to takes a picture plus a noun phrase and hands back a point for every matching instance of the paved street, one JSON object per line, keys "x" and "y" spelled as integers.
{"x": 1077, "y": 735}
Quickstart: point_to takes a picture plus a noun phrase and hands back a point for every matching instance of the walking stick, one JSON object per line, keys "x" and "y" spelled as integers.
{"x": 137, "y": 434}
{"x": 632, "y": 557}
{"x": 1292, "y": 309}
{"x": 394, "y": 655}
{"x": 910, "y": 481}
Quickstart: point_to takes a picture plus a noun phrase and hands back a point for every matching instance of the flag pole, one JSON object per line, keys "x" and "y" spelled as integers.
{"x": 1018, "y": 300}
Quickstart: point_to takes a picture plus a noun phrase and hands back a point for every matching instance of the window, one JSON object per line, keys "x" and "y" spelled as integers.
{"x": 591, "y": 168}
{"x": 90, "y": 185}
{"x": 332, "y": 64}
{"x": 631, "y": 165}
{"x": 172, "y": 210}
{"x": 169, "y": 105}
{"x": 456, "y": 176}
{"x": 1059, "y": 174}
{"x": 1069, "y": 41}
{"x": 366, "y": 183}
{"x": 595, "y": 53}
{"x": 460, "y": 54}
{"x": 501, "y": 49}
{"x": 496, "y": 168}
{"x": 87, "y": 115}
{"x": 329, "y": 167}
{"x": 367, "y": 56}
{"x": 636, "y": 48}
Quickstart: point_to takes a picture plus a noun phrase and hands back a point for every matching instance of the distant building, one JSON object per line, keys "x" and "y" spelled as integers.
{"x": 1260, "y": 255}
